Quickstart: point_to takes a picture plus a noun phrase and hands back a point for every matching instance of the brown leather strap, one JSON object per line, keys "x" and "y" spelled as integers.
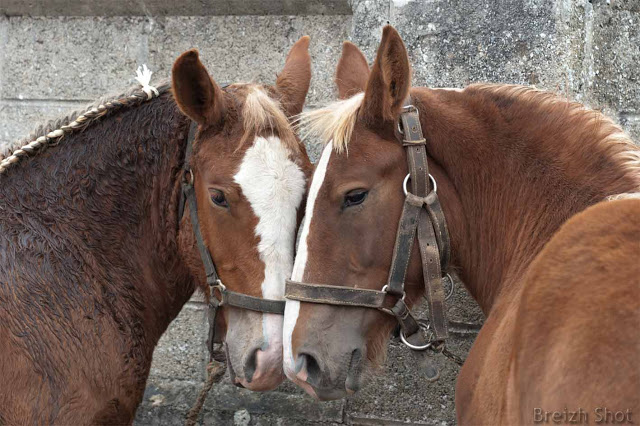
{"x": 440, "y": 226}
{"x": 405, "y": 237}
{"x": 432, "y": 276}
{"x": 252, "y": 303}
{"x": 334, "y": 295}
{"x": 428, "y": 241}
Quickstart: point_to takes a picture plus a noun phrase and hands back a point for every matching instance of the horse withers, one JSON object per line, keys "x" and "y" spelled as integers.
{"x": 523, "y": 178}
{"x": 97, "y": 259}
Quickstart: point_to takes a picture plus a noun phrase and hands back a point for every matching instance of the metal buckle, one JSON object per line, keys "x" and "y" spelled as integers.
{"x": 406, "y": 180}
{"x": 429, "y": 334}
{"x": 406, "y": 109}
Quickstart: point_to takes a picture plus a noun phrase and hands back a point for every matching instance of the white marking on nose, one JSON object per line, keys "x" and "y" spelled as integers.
{"x": 274, "y": 186}
{"x": 293, "y": 306}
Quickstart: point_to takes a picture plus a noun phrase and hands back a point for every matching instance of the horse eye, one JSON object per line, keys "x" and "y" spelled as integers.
{"x": 218, "y": 198}
{"x": 355, "y": 197}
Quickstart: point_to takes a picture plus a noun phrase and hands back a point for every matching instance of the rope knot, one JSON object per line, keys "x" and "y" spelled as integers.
{"x": 144, "y": 78}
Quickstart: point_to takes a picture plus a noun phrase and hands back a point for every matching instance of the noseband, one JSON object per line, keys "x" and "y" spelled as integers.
{"x": 422, "y": 217}
{"x": 227, "y": 297}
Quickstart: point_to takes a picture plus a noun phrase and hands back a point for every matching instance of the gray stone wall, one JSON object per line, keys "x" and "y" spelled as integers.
{"x": 585, "y": 50}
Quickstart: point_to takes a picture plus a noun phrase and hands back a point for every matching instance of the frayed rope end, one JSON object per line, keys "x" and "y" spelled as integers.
{"x": 144, "y": 78}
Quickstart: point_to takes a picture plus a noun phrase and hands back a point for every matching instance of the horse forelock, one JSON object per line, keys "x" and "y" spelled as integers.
{"x": 262, "y": 114}
{"x": 333, "y": 123}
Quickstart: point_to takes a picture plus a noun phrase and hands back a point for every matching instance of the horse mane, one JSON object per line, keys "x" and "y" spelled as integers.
{"x": 52, "y": 132}
{"x": 334, "y": 123}
{"x": 261, "y": 113}
{"x": 589, "y": 128}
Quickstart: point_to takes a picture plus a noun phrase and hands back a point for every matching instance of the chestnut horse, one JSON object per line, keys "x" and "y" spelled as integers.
{"x": 523, "y": 177}
{"x": 96, "y": 260}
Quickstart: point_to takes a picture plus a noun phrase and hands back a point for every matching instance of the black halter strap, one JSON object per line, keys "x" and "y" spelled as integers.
{"x": 422, "y": 219}
{"x": 216, "y": 287}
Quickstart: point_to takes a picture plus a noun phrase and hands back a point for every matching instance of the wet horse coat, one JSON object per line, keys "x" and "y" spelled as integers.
{"x": 523, "y": 177}
{"x": 95, "y": 261}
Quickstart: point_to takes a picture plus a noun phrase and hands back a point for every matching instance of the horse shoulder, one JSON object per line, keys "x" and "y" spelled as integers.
{"x": 576, "y": 341}
{"x": 480, "y": 387}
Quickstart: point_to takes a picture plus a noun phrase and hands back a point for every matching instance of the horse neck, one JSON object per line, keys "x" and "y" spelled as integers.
{"x": 518, "y": 178}
{"x": 110, "y": 194}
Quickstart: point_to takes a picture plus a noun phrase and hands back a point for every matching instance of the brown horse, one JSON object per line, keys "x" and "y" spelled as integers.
{"x": 96, "y": 260}
{"x": 523, "y": 177}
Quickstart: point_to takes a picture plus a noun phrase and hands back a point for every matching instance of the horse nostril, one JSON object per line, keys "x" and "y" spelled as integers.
{"x": 250, "y": 365}
{"x": 354, "y": 372}
{"x": 307, "y": 368}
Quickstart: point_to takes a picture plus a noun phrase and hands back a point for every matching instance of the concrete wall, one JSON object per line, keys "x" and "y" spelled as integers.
{"x": 588, "y": 50}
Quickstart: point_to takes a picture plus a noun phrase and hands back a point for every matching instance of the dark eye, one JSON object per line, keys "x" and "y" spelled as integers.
{"x": 218, "y": 198}
{"x": 355, "y": 197}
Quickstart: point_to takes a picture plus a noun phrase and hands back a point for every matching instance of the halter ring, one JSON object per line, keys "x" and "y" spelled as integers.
{"x": 427, "y": 345}
{"x": 450, "y": 292}
{"x": 386, "y": 287}
{"x": 406, "y": 180}
{"x": 188, "y": 176}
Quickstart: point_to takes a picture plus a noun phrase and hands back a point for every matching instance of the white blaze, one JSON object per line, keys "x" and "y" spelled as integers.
{"x": 274, "y": 186}
{"x": 293, "y": 306}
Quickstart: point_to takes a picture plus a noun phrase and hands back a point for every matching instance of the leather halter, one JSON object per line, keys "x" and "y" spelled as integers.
{"x": 227, "y": 297}
{"x": 422, "y": 217}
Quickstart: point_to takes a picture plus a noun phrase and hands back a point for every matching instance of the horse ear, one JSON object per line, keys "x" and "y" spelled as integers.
{"x": 293, "y": 81}
{"x": 352, "y": 72}
{"x": 194, "y": 90}
{"x": 389, "y": 82}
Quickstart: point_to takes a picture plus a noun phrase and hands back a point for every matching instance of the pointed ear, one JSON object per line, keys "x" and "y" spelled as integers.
{"x": 293, "y": 81}
{"x": 195, "y": 92}
{"x": 352, "y": 72}
{"x": 390, "y": 80}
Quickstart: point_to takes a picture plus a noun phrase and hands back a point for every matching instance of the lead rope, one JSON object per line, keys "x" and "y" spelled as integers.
{"x": 216, "y": 368}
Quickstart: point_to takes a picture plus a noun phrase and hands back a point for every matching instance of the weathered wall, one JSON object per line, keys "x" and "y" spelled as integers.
{"x": 588, "y": 50}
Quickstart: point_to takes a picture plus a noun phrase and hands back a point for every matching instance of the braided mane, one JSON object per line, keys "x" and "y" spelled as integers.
{"x": 51, "y": 133}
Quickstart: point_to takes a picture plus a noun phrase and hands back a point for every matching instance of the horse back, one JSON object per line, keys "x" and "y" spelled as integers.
{"x": 577, "y": 342}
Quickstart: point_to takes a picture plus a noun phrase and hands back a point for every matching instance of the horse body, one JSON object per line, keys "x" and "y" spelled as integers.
{"x": 564, "y": 340}
{"x": 96, "y": 258}
{"x": 522, "y": 177}
{"x": 90, "y": 274}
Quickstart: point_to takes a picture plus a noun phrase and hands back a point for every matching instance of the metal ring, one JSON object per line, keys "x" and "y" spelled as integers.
{"x": 218, "y": 284}
{"x": 386, "y": 287}
{"x": 450, "y": 292}
{"x": 400, "y": 128}
{"x": 406, "y": 180}
{"x": 427, "y": 345}
{"x": 189, "y": 179}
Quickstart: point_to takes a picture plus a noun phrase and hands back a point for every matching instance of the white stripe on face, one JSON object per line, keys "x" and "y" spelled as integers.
{"x": 293, "y": 306}
{"x": 274, "y": 186}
